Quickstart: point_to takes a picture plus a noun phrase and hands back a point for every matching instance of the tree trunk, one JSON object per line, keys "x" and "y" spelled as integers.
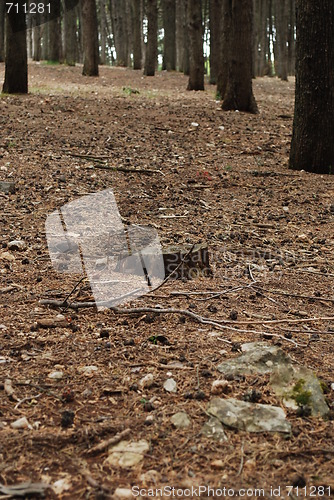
{"x": 103, "y": 32}
{"x": 168, "y": 14}
{"x": 225, "y": 30}
{"x": 214, "y": 25}
{"x": 36, "y": 39}
{"x": 54, "y": 33}
{"x": 137, "y": 34}
{"x": 291, "y": 38}
{"x": 2, "y": 31}
{"x": 186, "y": 55}
{"x": 196, "y": 59}
{"x": 16, "y": 67}
{"x": 179, "y": 22}
{"x": 239, "y": 91}
{"x": 312, "y": 146}
{"x": 120, "y": 31}
{"x": 152, "y": 35}
{"x": 282, "y": 38}
{"x": 70, "y": 28}
{"x": 90, "y": 38}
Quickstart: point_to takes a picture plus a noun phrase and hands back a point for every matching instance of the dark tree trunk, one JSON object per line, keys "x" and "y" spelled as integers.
{"x": 152, "y": 38}
{"x": 214, "y": 24}
{"x": 54, "y": 33}
{"x": 270, "y": 47}
{"x": 239, "y": 91}
{"x": 16, "y": 68}
{"x": 291, "y": 38}
{"x": 180, "y": 13}
{"x": 2, "y": 31}
{"x": 137, "y": 34}
{"x": 195, "y": 33}
{"x": 282, "y": 11}
{"x": 186, "y": 55}
{"x": 120, "y": 29}
{"x": 70, "y": 28}
{"x": 36, "y": 39}
{"x": 312, "y": 146}
{"x": 90, "y": 38}
{"x": 225, "y": 30}
{"x": 103, "y": 32}
{"x": 169, "y": 23}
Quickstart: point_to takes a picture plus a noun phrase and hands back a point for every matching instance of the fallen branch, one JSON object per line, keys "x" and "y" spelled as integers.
{"x": 108, "y": 442}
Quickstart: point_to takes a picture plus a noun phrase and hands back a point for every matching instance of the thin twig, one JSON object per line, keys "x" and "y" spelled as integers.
{"x": 108, "y": 442}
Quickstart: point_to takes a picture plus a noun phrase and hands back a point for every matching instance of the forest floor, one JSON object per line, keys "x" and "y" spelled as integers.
{"x": 224, "y": 182}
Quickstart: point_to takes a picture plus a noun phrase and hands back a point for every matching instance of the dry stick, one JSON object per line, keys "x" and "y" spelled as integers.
{"x": 108, "y": 442}
{"x": 280, "y": 292}
{"x": 101, "y": 160}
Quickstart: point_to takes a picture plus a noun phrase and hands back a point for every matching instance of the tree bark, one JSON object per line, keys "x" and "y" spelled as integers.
{"x": 90, "y": 38}
{"x": 312, "y": 145}
{"x": 2, "y": 31}
{"x": 36, "y": 39}
{"x": 120, "y": 30}
{"x": 169, "y": 23}
{"x": 70, "y": 28}
{"x": 179, "y": 22}
{"x": 195, "y": 33}
{"x": 54, "y": 33}
{"x": 137, "y": 34}
{"x": 282, "y": 11}
{"x": 225, "y": 30}
{"x": 152, "y": 35}
{"x": 16, "y": 67}
{"x": 239, "y": 91}
{"x": 214, "y": 25}
{"x": 186, "y": 56}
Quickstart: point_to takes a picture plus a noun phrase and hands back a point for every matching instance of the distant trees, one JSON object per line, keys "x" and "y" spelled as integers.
{"x": 312, "y": 146}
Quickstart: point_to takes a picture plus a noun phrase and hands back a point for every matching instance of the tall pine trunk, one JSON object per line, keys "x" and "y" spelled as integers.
{"x": 312, "y": 146}
{"x": 90, "y": 38}
{"x": 196, "y": 58}
{"x": 16, "y": 67}
{"x": 239, "y": 91}
{"x": 152, "y": 35}
{"x": 70, "y": 28}
{"x": 2, "y": 31}
{"x": 169, "y": 22}
{"x": 214, "y": 25}
{"x": 137, "y": 33}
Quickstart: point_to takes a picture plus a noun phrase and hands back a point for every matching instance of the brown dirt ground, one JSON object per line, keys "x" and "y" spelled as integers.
{"x": 234, "y": 191}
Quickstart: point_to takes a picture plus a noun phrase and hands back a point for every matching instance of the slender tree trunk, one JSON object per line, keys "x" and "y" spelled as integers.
{"x": 186, "y": 41}
{"x": 312, "y": 146}
{"x": 70, "y": 28}
{"x": 90, "y": 38}
{"x": 120, "y": 31}
{"x": 291, "y": 38}
{"x": 179, "y": 34}
{"x": 137, "y": 34}
{"x": 214, "y": 25}
{"x": 152, "y": 35}
{"x": 225, "y": 33}
{"x": 54, "y": 33}
{"x": 103, "y": 31}
{"x": 270, "y": 40}
{"x": 36, "y": 39}
{"x": 169, "y": 23}
{"x": 239, "y": 92}
{"x": 2, "y": 31}
{"x": 16, "y": 67}
{"x": 196, "y": 59}
{"x": 282, "y": 38}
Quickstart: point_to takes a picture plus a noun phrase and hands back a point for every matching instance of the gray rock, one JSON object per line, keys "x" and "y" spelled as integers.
{"x": 213, "y": 429}
{"x": 170, "y": 385}
{"x": 7, "y": 187}
{"x": 180, "y": 420}
{"x": 258, "y": 357}
{"x": 298, "y": 386}
{"x": 249, "y": 416}
{"x": 17, "y": 245}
